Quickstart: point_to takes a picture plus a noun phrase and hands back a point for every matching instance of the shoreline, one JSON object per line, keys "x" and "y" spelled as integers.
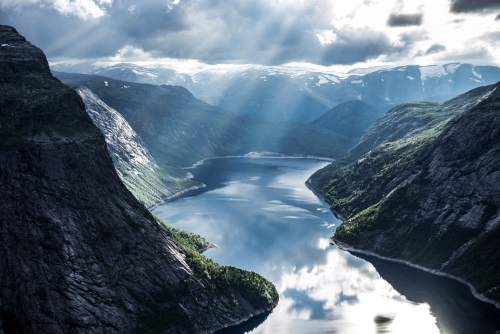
{"x": 163, "y": 200}
{"x": 251, "y": 155}
{"x": 353, "y": 250}
{"x": 254, "y": 155}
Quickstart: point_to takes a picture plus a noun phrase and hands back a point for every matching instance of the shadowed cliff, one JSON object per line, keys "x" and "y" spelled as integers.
{"x": 79, "y": 254}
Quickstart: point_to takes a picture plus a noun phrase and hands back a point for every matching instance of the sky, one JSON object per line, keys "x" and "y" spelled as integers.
{"x": 328, "y": 33}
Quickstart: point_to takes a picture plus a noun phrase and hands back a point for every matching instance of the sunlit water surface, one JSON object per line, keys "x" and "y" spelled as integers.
{"x": 264, "y": 219}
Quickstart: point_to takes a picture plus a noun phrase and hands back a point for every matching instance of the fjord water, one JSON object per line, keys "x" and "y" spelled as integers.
{"x": 264, "y": 219}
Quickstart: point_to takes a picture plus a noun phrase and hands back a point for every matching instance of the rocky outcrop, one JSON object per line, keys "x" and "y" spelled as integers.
{"x": 431, "y": 200}
{"x": 79, "y": 254}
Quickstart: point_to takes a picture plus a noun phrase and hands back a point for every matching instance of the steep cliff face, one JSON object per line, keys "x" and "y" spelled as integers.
{"x": 430, "y": 199}
{"x": 149, "y": 181}
{"x": 79, "y": 254}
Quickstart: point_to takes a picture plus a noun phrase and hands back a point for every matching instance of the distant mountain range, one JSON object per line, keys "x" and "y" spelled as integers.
{"x": 299, "y": 94}
{"x": 154, "y": 131}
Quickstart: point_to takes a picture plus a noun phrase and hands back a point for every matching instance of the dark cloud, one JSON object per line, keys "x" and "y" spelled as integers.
{"x": 357, "y": 47}
{"x": 212, "y": 31}
{"x": 464, "y": 6}
{"x": 404, "y": 20}
{"x": 435, "y": 48}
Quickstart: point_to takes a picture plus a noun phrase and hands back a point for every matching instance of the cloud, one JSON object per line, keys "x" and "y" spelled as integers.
{"x": 404, "y": 20}
{"x": 435, "y": 48}
{"x": 267, "y": 32}
{"x": 84, "y": 9}
{"x": 465, "y": 6}
{"x": 497, "y": 18}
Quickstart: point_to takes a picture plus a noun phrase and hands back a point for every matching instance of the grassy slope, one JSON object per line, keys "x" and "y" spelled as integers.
{"x": 386, "y": 150}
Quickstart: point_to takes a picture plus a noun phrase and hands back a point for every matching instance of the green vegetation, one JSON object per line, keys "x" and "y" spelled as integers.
{"x": 210, "y": 284}
{"x": 184, "y": 238}
{"x": 151, "y": 185}
{"x": 251, "y": 286}
{"x": 412, "y": 188}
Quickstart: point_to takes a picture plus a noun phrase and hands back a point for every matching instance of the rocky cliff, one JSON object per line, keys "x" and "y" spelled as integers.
{"x": 79, "y": 254}
{"x": 148, "y": 180}
{"x": 431, "y": 196}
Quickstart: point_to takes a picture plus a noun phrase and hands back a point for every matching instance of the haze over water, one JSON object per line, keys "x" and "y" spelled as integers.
{"x": 264, "y": 219}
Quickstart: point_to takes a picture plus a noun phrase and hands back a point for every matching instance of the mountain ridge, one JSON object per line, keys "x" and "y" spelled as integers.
{"x": 287, "y": 93}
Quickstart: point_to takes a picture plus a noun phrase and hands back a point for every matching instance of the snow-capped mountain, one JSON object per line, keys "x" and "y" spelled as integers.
{"x": 298, "y": 94}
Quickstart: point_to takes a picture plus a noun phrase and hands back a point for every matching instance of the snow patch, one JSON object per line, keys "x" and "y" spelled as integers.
{"x": 5, "y": 45}
{"x": 410, "y": 77}
{"x": 148, "y": 74}
{"x": 332, "y": 78}
{"x": 451, "y": 68}
{"x": 357, "y": 81}
{"x": 106, "y": 83}
{"x": 432, "y": 71}
{"x": 477, "y": 75}
{"x": 322, "y": 80}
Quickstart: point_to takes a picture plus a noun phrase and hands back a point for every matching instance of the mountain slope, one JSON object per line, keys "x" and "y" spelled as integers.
{"x": 79, "y": 253}
{"x": 430, "y": 197}
{"x": 350, "y": 119}
{"x": 138, "y": 170}
{"x": 383, "y": 157}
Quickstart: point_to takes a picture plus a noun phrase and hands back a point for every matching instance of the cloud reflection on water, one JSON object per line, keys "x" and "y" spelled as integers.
{"x": 272, "y": 224}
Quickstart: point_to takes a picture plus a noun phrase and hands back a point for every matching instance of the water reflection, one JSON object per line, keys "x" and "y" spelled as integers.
{"x": 264, "y": 219}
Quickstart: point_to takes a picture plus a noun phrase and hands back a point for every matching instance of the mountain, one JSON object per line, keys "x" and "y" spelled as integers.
{"x": 350, "y": 119}
{"x": 139, "y": 171}
{"x": 79, "y": 253}
{"x": 422, "y": 186}
{"x": 298, "y": 94}
{"x": 178, "y": 130}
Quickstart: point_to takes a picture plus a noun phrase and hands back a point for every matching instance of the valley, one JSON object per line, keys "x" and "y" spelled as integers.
{"x": 249, "y": 167}
{"x": 177, "y": 130}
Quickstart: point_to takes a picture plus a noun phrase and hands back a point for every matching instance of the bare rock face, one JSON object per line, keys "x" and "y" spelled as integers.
{"x": 79, "y": 254}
